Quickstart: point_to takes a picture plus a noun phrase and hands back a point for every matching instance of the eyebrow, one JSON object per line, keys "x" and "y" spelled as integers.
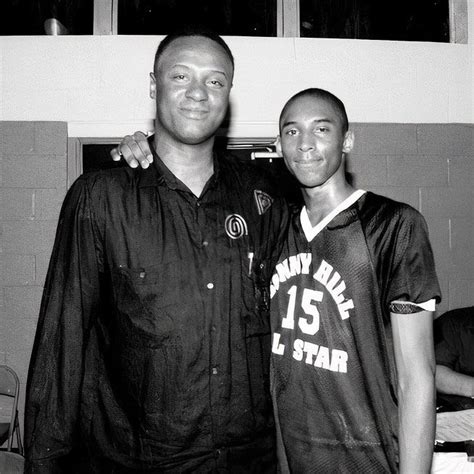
{"x": 318, "y": 121}
{"x": 215, "y": 71}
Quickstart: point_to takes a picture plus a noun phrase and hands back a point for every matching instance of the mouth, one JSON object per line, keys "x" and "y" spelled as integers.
{"x": 309, "y": 161}
{"x": 194, "y": 114}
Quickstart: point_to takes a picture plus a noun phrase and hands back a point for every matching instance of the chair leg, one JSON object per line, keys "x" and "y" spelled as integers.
{"x": 18, "y": 438}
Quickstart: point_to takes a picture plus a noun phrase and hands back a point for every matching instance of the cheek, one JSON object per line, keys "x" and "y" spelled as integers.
{"x": 219, "y": 100}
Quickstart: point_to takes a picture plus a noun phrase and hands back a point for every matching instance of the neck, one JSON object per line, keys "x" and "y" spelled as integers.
{"x": 191, "y": 164}
{"x": 322, "y": 200}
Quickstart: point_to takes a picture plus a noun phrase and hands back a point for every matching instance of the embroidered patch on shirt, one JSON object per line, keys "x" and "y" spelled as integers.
{"x": 263, "y": 200}
{"x": 235, "y": 226}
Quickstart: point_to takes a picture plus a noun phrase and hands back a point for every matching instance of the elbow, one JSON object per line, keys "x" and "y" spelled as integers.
{"x": 417, "y": 382}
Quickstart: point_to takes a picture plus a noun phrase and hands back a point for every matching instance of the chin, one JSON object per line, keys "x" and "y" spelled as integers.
{"x": 195, "y": 139}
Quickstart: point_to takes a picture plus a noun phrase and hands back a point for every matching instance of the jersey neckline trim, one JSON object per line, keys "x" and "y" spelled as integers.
{"x": 311, "y": 232}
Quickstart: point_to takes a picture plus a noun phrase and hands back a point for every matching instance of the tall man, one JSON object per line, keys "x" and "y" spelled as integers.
{"x": 153, "y": 340}
{"x": 352, "y": 298}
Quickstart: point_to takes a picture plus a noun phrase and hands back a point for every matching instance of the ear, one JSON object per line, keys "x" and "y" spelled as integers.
{"x": 348, "y": 143}
{"x": 278, "y": 146}
{"x": 152, "y": 86}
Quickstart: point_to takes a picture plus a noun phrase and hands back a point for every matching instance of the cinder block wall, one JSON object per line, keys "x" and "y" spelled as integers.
{"x": 33, "y": 185}
{"x": 430, "y": 166}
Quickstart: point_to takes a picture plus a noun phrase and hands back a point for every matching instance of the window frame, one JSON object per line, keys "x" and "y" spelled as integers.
{"x": 288, "y": 19}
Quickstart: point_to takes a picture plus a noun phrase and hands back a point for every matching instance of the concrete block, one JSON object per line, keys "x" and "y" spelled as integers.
{"x": 21, "y": 334}
{"x": 17, "y": 269}
{"x": 22, "y": 302}
{"x": 438, "y": 229}
{"x": 34, "y": 171}
{"x": 42, "y": 263}
{"x": 385, "y": 139}
{"x": 51, "y": 138}
{"x": 17, "y": 137}
{"x": 417, "y": 171}
{"x": 461, "y": 170}
{"x": 462, "y": 247}
{"x": 367, "y": 170}
{"x": 445, "y": 139}
{"x": 47, "y": 203}
{"x": 28, "y": 237}
{"x": 461, "y": 292}
{"x": 409, "y": 195}
{"x": 19, "y": 360}
{"x": 16, "y": 203}
{"x": 444, "y": 201}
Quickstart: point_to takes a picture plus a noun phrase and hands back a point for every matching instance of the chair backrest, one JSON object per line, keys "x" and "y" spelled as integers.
{"x": 9, "y": 391}
{"x": 9, "y": 383}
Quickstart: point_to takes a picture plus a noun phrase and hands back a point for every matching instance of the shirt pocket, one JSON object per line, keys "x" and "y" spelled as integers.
{"x": 257, "y": 301}
{"x": 143, "y": 307}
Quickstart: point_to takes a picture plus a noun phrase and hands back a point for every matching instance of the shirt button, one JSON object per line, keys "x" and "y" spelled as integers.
{"x": 214, "y": 371}
{"x": 210, "y": 286}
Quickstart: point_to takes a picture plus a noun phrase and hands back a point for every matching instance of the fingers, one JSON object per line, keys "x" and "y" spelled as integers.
{"x": 129, "y": 150}
{"x": 134, "y": 149}
{"x": 144, "y": 156}
{"x": 115, "y": 154}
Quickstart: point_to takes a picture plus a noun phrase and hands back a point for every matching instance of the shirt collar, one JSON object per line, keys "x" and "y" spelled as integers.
{"x": 158, "y": 173}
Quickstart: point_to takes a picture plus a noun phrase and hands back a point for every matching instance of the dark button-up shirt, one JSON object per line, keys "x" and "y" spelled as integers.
{"x": 454, "y": 338}
{"x": 152, "y": 348}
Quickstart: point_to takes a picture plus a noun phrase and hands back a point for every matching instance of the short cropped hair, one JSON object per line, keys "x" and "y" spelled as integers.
{"x": 325, "y": 95}
{"x": 192, "y": 31}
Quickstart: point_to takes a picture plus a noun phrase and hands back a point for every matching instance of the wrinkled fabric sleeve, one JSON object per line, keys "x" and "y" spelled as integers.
{"x": 412, "y": 276}
{"x": 70, "y": 300}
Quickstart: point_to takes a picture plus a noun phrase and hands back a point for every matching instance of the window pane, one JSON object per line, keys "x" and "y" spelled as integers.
{"x": 226, "y": 17}
{"x": 402, "y": 20}
{"x": 39, "y": 17}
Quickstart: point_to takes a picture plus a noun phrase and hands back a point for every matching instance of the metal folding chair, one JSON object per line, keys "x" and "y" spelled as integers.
{"x": 9, "y": 393}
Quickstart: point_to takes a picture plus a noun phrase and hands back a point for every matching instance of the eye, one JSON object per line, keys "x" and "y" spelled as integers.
{"x": 216, "y": 83}
{"x": 322, "y": 129}
{"x": 291, "y": 132}
{"x": 179, "y": 77}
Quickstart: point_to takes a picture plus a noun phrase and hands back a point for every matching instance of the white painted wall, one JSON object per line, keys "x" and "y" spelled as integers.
{"x": 99, "y": 84}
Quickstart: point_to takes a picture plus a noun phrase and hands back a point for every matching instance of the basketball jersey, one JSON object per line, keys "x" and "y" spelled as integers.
{"x": 333, "y": 369}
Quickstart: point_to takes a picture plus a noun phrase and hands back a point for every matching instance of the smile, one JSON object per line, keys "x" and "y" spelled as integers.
{"x": 309, "y": 162}
{"x": 195, "y": 114}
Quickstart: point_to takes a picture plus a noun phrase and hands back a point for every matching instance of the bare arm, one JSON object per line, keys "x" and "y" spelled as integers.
{"x": 134, "y": 149}
{"x": 414, "y": 356}
{"x": 453, "y": 383}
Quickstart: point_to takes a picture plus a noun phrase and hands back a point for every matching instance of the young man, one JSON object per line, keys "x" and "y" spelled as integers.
{"x": 351, "y": 306}
{"x": 352, "y": 299}
{"x": 153, "y": 340}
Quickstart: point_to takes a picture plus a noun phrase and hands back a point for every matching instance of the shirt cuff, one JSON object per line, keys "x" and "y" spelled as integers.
{"x": 408, "y": 307}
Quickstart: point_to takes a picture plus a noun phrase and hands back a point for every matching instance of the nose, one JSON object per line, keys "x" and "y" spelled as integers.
{"x": 196, "y": 91}
{"x": 306, "y": 142}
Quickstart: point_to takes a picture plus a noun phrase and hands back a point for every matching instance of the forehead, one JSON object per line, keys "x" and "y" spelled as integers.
{"x": 196, "y": 51}
{"x": 310, "y": 108}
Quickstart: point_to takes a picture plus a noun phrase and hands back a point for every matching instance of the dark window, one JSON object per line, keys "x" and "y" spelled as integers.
{"x": 400, "y": 20}
{"x": 226, "y": 17}
{"x": 40, "y": 17}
